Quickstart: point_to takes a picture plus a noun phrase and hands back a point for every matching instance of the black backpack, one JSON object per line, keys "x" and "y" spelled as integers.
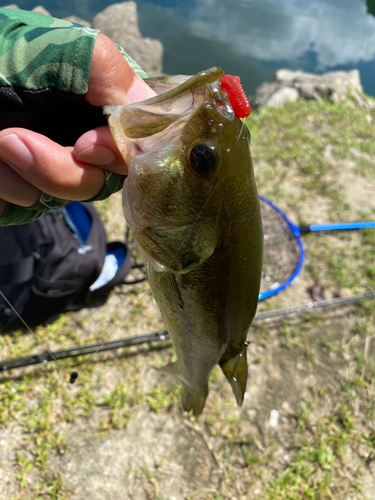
{"x": 58, "y": 263}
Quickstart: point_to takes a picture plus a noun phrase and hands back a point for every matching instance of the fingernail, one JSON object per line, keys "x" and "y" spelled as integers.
{"x": 14, "y": 152}
{"x": 97, "y": 155}
{"x": 139, "y": 91}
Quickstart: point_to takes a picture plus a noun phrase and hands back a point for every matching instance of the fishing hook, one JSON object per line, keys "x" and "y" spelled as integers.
{"x": 246, "y": 345}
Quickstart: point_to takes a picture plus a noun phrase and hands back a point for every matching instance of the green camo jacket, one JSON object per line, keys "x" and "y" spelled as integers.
{"x": 37, "y": 52}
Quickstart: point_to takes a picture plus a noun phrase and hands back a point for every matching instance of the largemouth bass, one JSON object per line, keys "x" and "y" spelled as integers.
{"x": 191, "y": 202}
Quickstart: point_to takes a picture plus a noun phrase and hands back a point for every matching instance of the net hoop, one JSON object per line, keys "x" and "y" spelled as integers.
{"x": 295, "y": 230}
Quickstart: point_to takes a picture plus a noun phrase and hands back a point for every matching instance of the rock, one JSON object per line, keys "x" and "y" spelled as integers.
{"x": 274, "y": 419}
{"x": 77, "y": 20}
{"x": 282, "y": 96}
{"x": 335, "y": 85}
{"x": 120, "y": 23}
{"x": 288, "y": 85}
{"x": 119, "y": 18}
{"x": 273, "y": 94}
{"x": 264, "y": 93}
{"x": 11, "y": 6}
{"x": 39, "y": 9}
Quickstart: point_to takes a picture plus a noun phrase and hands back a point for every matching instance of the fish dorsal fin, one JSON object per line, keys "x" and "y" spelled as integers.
{"x": 235, "y": 370}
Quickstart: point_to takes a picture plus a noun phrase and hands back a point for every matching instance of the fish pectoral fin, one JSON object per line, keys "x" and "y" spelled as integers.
{"x": 172, "y": 369}
{"x": 235, "y": 370}
{"x": 181, "y": 248}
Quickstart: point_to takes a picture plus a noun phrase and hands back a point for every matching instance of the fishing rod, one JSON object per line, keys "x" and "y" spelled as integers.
{"x": 73, "y": 352}
{"x": 162, "y": 336}
{"x": 275, "y": 314}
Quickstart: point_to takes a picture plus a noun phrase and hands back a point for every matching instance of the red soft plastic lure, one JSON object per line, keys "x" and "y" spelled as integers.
{"x": 236, "y": 95}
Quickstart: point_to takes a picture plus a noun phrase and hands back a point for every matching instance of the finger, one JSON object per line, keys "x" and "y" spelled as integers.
{"x": 98, "y": 148}
{"x": 49, "y": 167}
{"x": 112, "y": 81}
{"x": 15, "y": 189}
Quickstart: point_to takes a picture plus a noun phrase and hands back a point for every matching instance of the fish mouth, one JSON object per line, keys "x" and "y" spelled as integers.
{"x": 176, "y": 100}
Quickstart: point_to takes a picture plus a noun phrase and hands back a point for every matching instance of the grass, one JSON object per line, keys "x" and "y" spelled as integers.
{"x": 317, "y": 370}
{"x": 302, "y": 145}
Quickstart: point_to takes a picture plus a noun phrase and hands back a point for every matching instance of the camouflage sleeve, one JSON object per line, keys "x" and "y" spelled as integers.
{"x": 38, "y": 52}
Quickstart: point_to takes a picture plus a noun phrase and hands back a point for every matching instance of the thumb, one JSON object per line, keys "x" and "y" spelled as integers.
{"x": 112, "y": 81}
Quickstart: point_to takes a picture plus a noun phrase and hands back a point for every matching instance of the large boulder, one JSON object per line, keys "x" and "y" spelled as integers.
{"x": 288, "y": 85}
{"x": 120, "y": 23}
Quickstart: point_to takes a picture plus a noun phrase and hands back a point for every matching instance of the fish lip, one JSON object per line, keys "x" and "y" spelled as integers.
{"x": 204, "y": 77}
{"x": 208, "y": 76}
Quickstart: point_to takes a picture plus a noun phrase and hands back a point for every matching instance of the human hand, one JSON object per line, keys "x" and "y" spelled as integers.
{"x": 31, "y": 163}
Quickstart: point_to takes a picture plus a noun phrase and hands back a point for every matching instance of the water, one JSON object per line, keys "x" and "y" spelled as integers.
{"x": 251, "y": 38}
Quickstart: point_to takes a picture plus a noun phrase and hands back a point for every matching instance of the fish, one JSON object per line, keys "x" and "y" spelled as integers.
{"x": 191, "y": 202}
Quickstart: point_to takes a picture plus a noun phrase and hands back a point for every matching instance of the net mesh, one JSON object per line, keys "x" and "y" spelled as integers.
{"x": 281, "y": 249}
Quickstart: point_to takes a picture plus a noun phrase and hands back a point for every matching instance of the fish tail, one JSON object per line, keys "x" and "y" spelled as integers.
{"x": 235, "y": 370}
{"x": 193, "y": 400}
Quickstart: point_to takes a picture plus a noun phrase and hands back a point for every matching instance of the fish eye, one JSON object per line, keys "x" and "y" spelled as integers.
{"x": 204, "y": 158}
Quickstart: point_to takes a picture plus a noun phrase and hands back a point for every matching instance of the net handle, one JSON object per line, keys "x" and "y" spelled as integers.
{"x": 343, "y": 226}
